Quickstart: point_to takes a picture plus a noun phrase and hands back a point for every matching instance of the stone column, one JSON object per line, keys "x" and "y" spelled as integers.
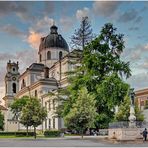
{"x": 132, "y": 117}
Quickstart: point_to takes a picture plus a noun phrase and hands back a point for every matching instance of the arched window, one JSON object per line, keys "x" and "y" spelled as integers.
{"x": 13, "y": 69}
{"x": 40, "y": 57}
{"x": 23, "y": 84}
{"x": 60, "y": 55}
{"x": 36, "y": 94}
{"x": 14, "y": 87}
{"x": 48, "y": 55}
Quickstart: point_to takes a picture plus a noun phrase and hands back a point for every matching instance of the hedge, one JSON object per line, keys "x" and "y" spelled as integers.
{"x": 49, "y": 133}
{"x": 16, "y": 133}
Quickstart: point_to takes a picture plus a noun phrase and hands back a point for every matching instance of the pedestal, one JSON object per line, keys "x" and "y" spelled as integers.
{"x": 132, "y": 117}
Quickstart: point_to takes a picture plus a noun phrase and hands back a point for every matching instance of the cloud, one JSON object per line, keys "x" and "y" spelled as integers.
{"x": 26, "y": 10}
{"x": 145, "y": 65}
{"x": 42, "y": 25}
{"x": 82, "y": 13}
{"x": 12, "y": 30}
{"x": 34, "y": 39}
{"x": 130, "y": 15}
{"x": 138, "y": 19}
{"x": 133, "y": 28}
{"x": 66, "y": 22}
{"x": 145, "y": 47}
{"x": 135, "y": 54}
{"x": 21, "y": 9}
{"x": 139, "y": 81}
{"x": 105, "y": 8}
{"x": 21, "y": 56}
{"x": 49, "y": 7}
{"x": 39, "y": 29}
{"x": 10, "y": 7}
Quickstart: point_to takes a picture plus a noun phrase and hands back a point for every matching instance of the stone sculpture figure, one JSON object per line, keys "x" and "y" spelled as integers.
{"x": 132, "y": 96}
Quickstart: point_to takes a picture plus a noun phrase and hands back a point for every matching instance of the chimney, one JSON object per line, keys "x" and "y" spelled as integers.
{"x": 46, "y": 72}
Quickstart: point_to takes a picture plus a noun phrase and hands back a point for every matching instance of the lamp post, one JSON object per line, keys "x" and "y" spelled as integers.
{"x": 132, "y": 117}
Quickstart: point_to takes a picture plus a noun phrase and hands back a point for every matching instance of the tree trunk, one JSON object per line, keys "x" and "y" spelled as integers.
{"x": 27, "y": 130}
{"x": 34, "y": 132}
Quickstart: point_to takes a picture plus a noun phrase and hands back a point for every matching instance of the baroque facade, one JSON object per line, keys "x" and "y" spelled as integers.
{"x": 40, "y": 78}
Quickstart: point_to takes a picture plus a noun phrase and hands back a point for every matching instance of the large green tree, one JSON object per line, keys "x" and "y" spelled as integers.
{"x": 1, "y": 121}
{"x": 33, "y": 114}
{"x": 83, "y": 112}
{"x": 101, "y": 72}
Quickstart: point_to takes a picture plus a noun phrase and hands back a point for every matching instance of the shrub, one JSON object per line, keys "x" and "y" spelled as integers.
{"x": 52, "y": 133}
{"x": 16, "y": 133}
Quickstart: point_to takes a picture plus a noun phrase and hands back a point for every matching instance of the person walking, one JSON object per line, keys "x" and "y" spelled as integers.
{"x": 145, "y": 134}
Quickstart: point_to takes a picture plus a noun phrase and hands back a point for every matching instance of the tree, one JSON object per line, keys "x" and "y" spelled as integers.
{"x": 17, "y": 106}
{"x": 83, "y": 113}
{"x": 83, "y": 35}
{"x": 138, "y": 113}
{"x": 1, "y": 121}
{"x": 111, "y": 91}
{"x": 124, "y": 111}
{"x": 146, "y": 104}
{"x": 33, "y": 114}
{"x": 101, "y": 71}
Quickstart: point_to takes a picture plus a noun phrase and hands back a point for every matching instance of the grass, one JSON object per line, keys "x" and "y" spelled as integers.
{"x": 13, "y": 136}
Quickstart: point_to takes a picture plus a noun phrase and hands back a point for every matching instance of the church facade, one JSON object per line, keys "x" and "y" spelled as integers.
{"x": 39, "y": 79}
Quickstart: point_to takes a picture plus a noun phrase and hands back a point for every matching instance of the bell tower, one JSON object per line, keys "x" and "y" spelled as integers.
{"x": 11, "y": 82}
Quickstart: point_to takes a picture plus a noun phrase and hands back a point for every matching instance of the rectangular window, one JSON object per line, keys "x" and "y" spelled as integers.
{"x": 53, "y": 122}
{"x": 46, "y": 105}
{"x": 45, "y": 123}
{"x": 53, "y": 104}
{"x": 49, "y": 105}
{"x": 49, "y": 123}
{"x": 35, "y": 93}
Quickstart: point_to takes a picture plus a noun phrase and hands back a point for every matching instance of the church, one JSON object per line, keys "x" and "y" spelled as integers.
{"x": 39, "y": 79}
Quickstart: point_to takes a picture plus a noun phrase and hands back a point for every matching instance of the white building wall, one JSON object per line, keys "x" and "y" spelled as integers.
{"x": 54, "y": 56}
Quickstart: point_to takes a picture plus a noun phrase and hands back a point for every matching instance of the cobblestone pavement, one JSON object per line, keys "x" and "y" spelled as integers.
{"x": 70, "y": 142}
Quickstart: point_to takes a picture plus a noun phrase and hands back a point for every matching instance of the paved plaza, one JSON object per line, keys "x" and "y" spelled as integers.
{"x": 69, "y": 142}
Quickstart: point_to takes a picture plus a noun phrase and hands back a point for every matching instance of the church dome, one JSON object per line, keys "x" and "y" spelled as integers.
{"x": 53, "y": 40}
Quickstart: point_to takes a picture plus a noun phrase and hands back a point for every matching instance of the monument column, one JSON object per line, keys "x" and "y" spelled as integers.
{"x": 132, "y": 117}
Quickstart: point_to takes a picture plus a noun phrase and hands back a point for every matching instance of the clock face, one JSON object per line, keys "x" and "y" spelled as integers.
{"x": 13, "y": 78}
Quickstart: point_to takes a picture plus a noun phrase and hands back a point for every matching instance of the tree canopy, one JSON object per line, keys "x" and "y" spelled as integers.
{"x": 17, "y": 106}
{"x": 83, "y": 112}
{"x": 33, "y": 114}
{"x": 101, "y": 71}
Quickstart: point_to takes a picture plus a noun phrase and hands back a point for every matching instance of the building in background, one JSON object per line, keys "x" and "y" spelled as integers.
{"x": 47, "y": 75}
{"x": 142, "y": 96}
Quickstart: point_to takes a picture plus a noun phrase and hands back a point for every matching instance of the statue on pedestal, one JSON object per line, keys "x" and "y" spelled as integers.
{"x": 132, "y": 117}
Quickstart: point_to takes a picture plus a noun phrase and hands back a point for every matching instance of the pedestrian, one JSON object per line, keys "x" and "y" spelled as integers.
{"x": 145, "y": 134}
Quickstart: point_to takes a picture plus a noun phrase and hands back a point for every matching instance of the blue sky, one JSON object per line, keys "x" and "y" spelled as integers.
{"x": 23, "y": 23}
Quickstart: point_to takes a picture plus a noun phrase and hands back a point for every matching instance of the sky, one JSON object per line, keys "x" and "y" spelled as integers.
{"x": 23, "y": 23}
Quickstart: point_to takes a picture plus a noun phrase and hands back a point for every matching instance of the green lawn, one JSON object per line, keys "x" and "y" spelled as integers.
{"x": 13, "y": 136}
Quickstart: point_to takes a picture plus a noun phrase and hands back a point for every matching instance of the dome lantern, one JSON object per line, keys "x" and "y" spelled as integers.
{"x": 53, "y": 29}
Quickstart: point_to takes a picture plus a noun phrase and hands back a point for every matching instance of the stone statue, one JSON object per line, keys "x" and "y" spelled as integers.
{"x": 132, "y": 117}
{"x": 132, "y": 96}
